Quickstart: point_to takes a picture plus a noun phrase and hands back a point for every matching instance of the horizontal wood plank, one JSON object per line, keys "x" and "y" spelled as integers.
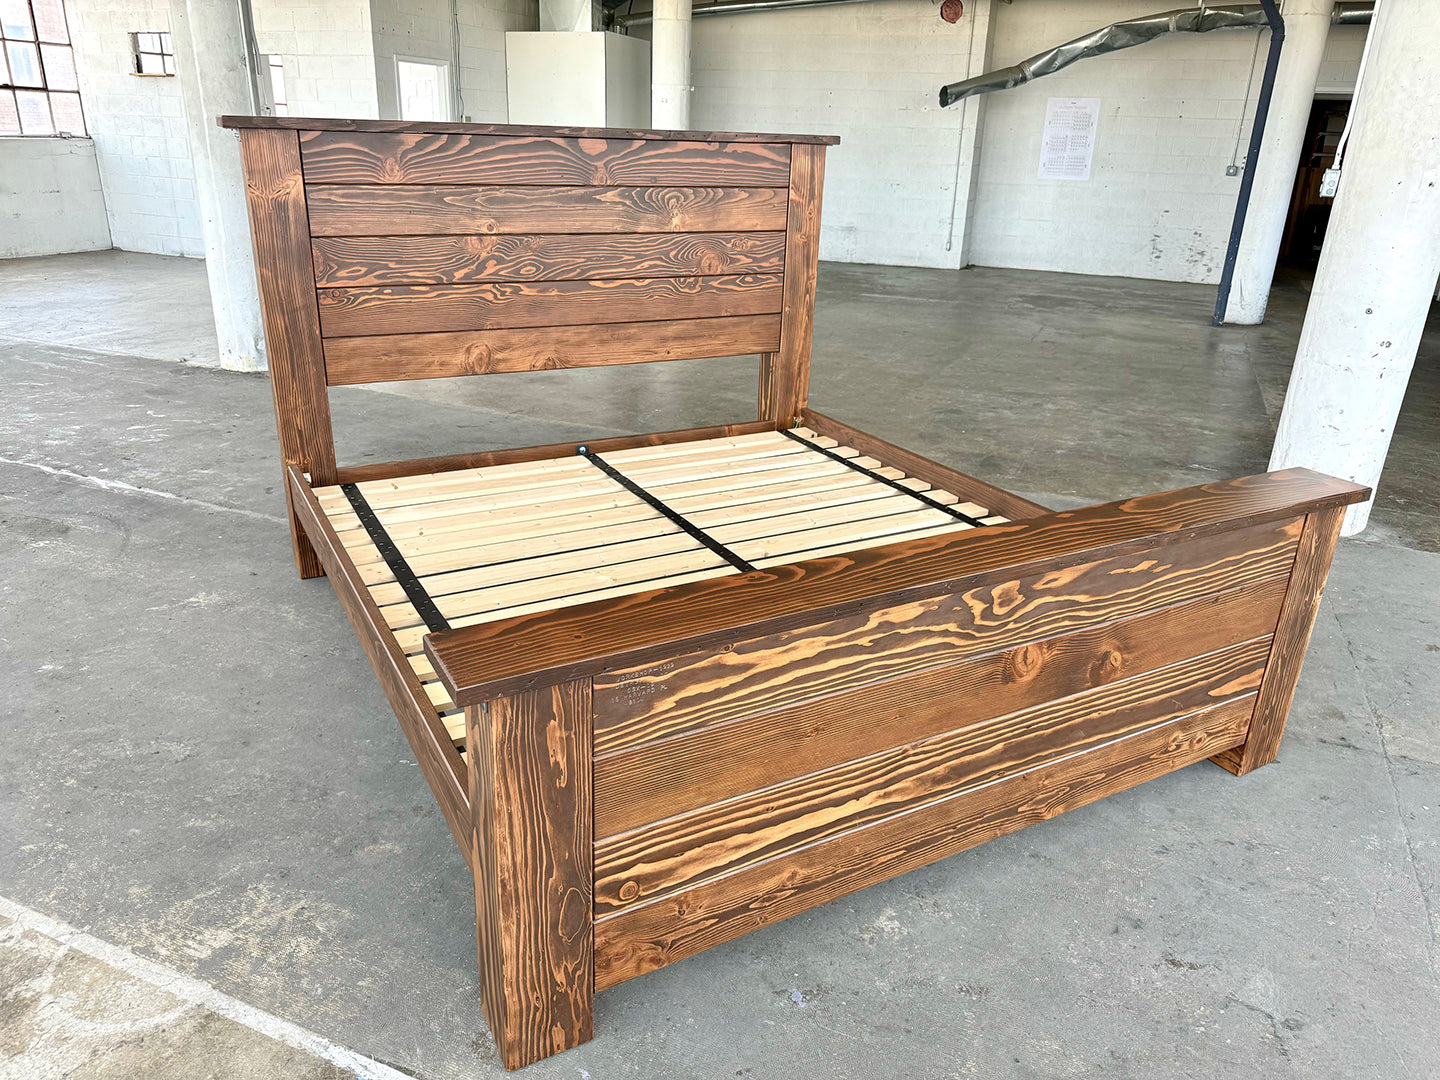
{"x": 394, "y": 357}
{"x": 676, "y": 775}
{"x": 685, "y": 692}
{"x": 649, "y": 936}
{"x": 414, "y": 309}
{"x": 451, "y": 209}
{"x": 332, "y": 157}
{"x": 483, "y": 661}
{"x": 435, "y": 260}
{"x": 682, "y": 851}
{"x": 330, "y": 123}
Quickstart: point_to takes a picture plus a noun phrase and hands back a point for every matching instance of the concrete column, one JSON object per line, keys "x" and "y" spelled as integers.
{"x": 1307, "y": 25}
{"x": 1378, "y": 268}
{"x": 972, "y": 126}
{"x": 670, "y": 65}
{"x": 210, "y": 61}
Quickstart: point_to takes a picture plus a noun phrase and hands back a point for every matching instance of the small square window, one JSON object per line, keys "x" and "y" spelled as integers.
{"x": 154, "y": 54}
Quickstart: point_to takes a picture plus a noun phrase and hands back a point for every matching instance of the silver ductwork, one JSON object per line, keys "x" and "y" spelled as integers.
{"x": 1121, "y": 35}
{"x": 1353, "y": 14}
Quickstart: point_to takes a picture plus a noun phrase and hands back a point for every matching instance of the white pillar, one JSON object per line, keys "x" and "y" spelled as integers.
{"x": 1378, "y": 268}
{"x": 979, "y": 47}
{"x": 670, "y": 66}
{"x": 210, "y": 61}
{"x": 1307, "y": 25}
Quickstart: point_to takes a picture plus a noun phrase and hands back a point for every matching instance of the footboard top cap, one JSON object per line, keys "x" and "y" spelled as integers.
{"x": 480, "y": 663}
{"x": 305, "y": 123}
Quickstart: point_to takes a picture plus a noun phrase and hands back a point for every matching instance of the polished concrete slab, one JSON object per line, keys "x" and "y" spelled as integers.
{"x": 199, "y": 766}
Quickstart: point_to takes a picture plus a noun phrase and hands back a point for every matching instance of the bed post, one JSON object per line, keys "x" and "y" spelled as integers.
{"x": 1292, "y": 635}
{"x": 280, "y": 232}
{"x": 530, "y": 757}
{"x": 785, "y": 375}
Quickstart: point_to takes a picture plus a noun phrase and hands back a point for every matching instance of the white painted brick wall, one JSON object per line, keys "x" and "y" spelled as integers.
{"x": 869, "y": 73}
{"x": 421, "y": 28}
{"x": 50, "y": 198}
{"x": 1341, "y": 61}
{"x": 328, "y": 52}
{"x": 138, "y": 126}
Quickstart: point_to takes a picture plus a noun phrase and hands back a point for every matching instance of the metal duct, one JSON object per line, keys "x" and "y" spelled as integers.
{"x": 1353, "y": 14}
{"x": 1121, "y": 35}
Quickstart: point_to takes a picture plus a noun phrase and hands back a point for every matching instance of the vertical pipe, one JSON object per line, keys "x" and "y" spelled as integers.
{"x": 670, "y": 66}
{"x": 1252, "y": 157}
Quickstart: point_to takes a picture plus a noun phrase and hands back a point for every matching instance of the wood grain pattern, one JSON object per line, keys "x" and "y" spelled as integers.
{"x": 482, "y": 661}
{"x": 434, "y": 260}
{"x": 389, "y": 358}
{"x": 453, "y": 209}
{"x": 675, "y": 775}
{"x": 424, "y": 127}
{"x": 1292, "y": 637}
{"x": 646, "y": 937}
{"x": 416, "y": 309}
{"x": 785, "y": 373}
{"x": 441, "y": 158}
{"x": 280, "y": 234}
{"x": 530, "y": 762}
{"x": 997, "y": 499}
{"x": 359, "y": 474}
{"x": 431, "y": 743}
{"x": 688, "y": 691}
{"x": 684, "y": 850}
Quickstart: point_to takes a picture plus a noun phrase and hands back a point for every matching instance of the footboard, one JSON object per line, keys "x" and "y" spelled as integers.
{"x": 659, "y": 773}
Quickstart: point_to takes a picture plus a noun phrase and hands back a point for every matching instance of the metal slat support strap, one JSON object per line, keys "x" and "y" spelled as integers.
{"x": 920, "y": 495}
{"x": 674, "y": 515}
{"x": 404, "y": 576}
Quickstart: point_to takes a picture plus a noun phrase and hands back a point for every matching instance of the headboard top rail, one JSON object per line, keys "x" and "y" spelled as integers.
{"x": 301, "y": 123}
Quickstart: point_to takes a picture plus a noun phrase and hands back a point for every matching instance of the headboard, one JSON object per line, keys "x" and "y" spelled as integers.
{"x": 390, "y": 250}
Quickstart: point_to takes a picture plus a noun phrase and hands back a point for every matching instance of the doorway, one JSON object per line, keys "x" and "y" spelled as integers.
{"x": 1309, "y": 210}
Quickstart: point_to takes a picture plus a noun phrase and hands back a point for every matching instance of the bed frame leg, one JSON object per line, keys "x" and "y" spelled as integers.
{"x": 1292, "y": 635}
{"x": 530, "y": 758}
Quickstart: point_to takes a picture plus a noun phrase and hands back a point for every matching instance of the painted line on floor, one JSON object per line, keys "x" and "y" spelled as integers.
{"x": 132, "y": 489}
{"x": 198, "y": 993}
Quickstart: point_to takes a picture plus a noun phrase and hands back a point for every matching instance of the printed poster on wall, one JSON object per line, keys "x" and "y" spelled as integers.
{"x": 1069, "y": 141}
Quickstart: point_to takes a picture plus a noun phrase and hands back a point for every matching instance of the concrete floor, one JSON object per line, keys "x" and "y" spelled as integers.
{"x": 199, "y": 767}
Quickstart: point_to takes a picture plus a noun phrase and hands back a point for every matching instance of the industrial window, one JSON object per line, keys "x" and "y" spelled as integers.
{"x": 39, "y": 94}
{"x": 154, "y": 55}
{"x": 424, "y": 89}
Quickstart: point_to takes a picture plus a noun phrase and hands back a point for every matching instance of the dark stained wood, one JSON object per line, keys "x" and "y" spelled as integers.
{"x": 434, "y": 260}
{"x": 478, "y": 662}
{"x": 484, "y": 352}
{"x": 681, "y": 851}
{"x": 996, "y": 500}
{"x": 676, "y": 775}
{"x": 649, "y": 936}
{"x": 358, "y": 474}
{"x": 1292, "y": 637}
{"x": 439, "y": 760}
{"x": 448, "y": 210}
{"x": 785, "y": 373}
{"x": 280, "y": 235}
{"x": 416, "y": 309}
{"x": 530, "y": 784}
{"x": 703, "y": 688}
{"x": 424, "y": 127}
{"x": 437, "y": 158}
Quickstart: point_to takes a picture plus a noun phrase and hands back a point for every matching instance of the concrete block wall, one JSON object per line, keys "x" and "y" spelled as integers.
{"x": 869, "y": 73}
{"x": 422, "y": 29}
{"x": 328, "y": 52}
{"x": 50, "y": 198}
{"x": 1341, "y": 62}
{"x": 138, "y": 127}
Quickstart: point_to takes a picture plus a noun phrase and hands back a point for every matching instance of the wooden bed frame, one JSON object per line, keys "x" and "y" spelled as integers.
{"x": 678, "y": 686}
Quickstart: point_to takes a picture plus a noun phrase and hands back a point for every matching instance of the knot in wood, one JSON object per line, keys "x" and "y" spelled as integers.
{"x": 1027, "y": 661}
{"x": 629, "y": 891}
